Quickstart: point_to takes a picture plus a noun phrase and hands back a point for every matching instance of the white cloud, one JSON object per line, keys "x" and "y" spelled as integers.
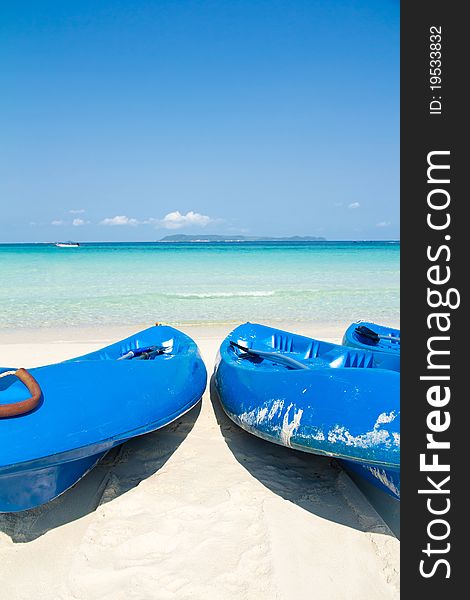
{"x": 383, "y": 224}
{"x": 354, "y": 205}
{"x": 172, "y": 220}
{"x": 57, "y": 222}
{"x": 120, "y": 220}
{"x": 176, "y": 220}
{"x": 76, "y": 211}
{"x": 78, "y": 222}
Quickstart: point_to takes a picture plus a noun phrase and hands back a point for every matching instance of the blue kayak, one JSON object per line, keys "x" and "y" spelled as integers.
{"x": 370, "y": 336}
{"x": 314, "y": 396}
{"x": 86, "y": 406}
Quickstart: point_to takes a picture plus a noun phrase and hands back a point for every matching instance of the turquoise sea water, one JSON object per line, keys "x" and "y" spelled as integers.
{"x": 125, "y": 283}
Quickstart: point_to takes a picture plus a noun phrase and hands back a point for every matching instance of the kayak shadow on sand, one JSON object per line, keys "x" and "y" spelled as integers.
{"x": 120, "y": 470}
{"x": 315, "y": 483}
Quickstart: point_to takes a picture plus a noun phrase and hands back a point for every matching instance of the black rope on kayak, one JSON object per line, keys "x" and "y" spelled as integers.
{"x": 273, "y": 356}
{"x": 375, "y": 337}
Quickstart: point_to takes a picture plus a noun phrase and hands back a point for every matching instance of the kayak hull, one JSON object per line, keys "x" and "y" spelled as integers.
{"x": 342, "y": 406}
{"x": 386, "y": 479}
{"x": 35, "y": 486}
{"x": 90, "y": 405}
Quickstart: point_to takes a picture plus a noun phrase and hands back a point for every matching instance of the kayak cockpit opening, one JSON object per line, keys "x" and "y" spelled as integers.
{"x": 147, "y": 352}
{"x": 255, "y": 355}
{"x": 303, "y": 354}
{"x": 145, "y": 347}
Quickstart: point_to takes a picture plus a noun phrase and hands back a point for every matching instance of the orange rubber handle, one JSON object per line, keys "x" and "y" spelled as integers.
{"x": 24, "y": 406}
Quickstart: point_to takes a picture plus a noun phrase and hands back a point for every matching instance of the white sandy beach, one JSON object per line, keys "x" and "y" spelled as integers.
{"x": 198, "y": 510}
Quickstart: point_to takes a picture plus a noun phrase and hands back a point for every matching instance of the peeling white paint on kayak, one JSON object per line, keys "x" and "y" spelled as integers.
{"x": 381, "y": 475}
{"x": 288, "y": 429}
{"x": 375, "y": 437}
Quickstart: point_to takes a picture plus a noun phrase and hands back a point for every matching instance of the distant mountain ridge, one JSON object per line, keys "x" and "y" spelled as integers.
{"x": 183, "y": 237}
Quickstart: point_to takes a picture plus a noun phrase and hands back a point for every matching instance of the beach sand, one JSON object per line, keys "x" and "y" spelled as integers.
{"x": 198, "y": 510}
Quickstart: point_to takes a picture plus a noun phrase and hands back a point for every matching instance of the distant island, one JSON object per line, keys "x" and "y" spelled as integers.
{"x": 182, "y": 237}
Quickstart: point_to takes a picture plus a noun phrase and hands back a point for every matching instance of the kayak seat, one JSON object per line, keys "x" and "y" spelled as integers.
{"x": 283, "y": 343}
{"x": 351, "y": 359}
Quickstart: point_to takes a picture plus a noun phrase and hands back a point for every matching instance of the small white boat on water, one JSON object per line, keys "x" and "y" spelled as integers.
{"x": 67, "y": 244}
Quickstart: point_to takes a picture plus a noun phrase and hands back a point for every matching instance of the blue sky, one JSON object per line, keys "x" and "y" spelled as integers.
{"x": 130, "y": 120}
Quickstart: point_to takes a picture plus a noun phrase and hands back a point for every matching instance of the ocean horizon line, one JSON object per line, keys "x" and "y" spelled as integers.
{"x": 202, "y": 241}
